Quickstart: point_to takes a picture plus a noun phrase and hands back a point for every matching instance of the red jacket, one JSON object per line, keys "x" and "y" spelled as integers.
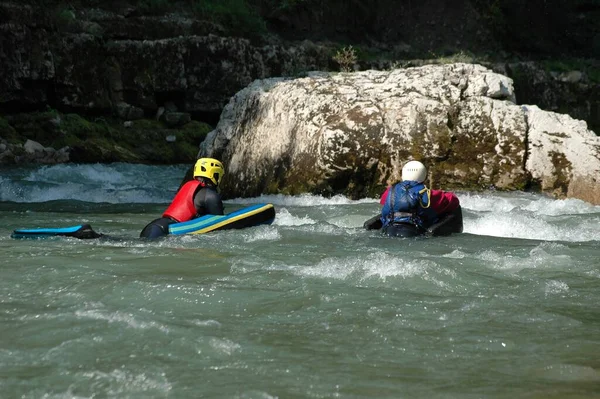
{"x": 182, "y": 208}
{"x": 441, "y": 201}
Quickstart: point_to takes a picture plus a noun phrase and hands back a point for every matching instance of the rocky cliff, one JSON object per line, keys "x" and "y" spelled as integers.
{"x": 350, "y": 134}
{"x": 95, "y": 60}
{"x": 132, "y": 58}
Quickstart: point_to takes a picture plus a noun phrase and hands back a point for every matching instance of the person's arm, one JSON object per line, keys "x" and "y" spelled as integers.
{"x": 443, "y": 202}
{"x": 374, "y": 223}
{"x": 208, "y": 202}
{"x": 384, "y": 196}
{"x": 449, "y": 223}
{"x": 214, "y": 204}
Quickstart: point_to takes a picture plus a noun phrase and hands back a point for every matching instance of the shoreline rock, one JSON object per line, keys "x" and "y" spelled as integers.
{"x": 51, "y": 137}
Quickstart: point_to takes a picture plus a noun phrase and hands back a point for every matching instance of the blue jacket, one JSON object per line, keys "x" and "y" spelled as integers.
{"x": 408, "y": 202}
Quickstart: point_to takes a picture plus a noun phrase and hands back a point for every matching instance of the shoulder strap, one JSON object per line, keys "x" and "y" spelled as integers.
{"x": 428, "y": 194}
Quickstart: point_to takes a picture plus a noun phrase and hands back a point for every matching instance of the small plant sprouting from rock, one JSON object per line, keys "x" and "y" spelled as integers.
{"x": 346, "y": 58}
{"x": 64, "y": 17}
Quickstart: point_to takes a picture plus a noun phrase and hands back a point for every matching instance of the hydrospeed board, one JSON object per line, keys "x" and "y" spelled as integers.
{"x": 246, "y": 217}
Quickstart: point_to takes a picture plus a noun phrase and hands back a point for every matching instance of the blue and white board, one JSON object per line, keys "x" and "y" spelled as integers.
{"x": 82, "y": 231}
{"x": 246, "y": 217}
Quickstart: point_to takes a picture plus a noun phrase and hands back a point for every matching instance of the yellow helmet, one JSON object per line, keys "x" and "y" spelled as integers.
{"x": 209, "y": 168}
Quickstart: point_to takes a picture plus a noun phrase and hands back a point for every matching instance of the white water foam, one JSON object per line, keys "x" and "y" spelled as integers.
{"x": 285, "y": 218}
{"x": 530, "y": 225}
{"x": 537, "y": 203}
{"x": 97, "y": 183}
{"x": 260, "y": 234}
{"x": 380, "y": 265}
{"x": 540, "y": 257}
{"x": 302, "y": 200}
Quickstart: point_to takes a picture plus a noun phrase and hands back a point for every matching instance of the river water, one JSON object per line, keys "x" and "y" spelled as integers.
{"x": 312, "y": 306}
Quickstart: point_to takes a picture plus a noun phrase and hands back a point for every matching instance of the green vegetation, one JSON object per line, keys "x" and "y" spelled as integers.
{"x": 8, "y": 133}
{"x": 590, "y": 67}
{"x": 235, "y": 15}
{"x": 460, "y": 56}
{"x": 346, "y": 58}
{"x": 492, "y": 13}
{"x": 154, "y": 7}
{"x": 288, "y": 4}
{"x": 64, "y": 17}
{"x": 105, "y": 139}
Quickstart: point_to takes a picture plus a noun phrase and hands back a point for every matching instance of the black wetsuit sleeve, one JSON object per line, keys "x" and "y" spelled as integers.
{"x": 450, "y": 223}
{"x": 374, "y": 223}
{"x": 208, "y": 202}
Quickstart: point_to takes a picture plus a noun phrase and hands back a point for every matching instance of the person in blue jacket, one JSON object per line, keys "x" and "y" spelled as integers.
{"x": 410, "y": 208}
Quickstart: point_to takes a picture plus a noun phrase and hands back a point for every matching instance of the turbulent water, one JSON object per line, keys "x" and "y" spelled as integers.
{"x": 312, "y": 306}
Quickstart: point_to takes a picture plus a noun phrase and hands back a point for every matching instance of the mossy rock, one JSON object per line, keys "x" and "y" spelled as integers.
{"x": 107, "y": 139}
{"x": 42, "y": 127}
{"x": 7, "y": 132}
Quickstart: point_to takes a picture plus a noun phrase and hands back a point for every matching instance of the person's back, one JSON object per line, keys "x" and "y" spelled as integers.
{"x": 195, "y": 198}
{"x": 409, "y": 204}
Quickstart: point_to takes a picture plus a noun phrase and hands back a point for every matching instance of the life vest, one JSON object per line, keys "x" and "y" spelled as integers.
{"x": 408, "y": 202}
{"x": 182, "y": 208}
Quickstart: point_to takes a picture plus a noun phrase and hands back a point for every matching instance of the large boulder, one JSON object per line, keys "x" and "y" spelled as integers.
{"x": 350, "y": 134}
{"x": 564, "y": 156}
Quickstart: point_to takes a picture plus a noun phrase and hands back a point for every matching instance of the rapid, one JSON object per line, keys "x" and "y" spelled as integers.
{"x": 312, "y": 306}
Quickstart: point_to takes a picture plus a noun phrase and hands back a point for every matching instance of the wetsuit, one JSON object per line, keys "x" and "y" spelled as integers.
{"x": 194, "y": 199}
{"x": 428, "y": 212}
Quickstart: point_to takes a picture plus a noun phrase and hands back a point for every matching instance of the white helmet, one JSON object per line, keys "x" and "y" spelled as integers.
{"x": 414, "y": 170}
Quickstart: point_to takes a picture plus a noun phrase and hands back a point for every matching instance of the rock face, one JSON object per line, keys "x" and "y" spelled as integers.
{"x": 97, "y": 58}
{"x": 351, "y": 133}
{"x": 99, "y": 61}
{"x": 568, "y": 92}
{"x": 550, "y": 27}
{"x": 31, "y": 152}
{"x": 564, "y": 157}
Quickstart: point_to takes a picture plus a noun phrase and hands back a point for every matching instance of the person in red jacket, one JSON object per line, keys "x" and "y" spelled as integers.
{"x": 195, "y": 198}
{"x": 410, "y": 208}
